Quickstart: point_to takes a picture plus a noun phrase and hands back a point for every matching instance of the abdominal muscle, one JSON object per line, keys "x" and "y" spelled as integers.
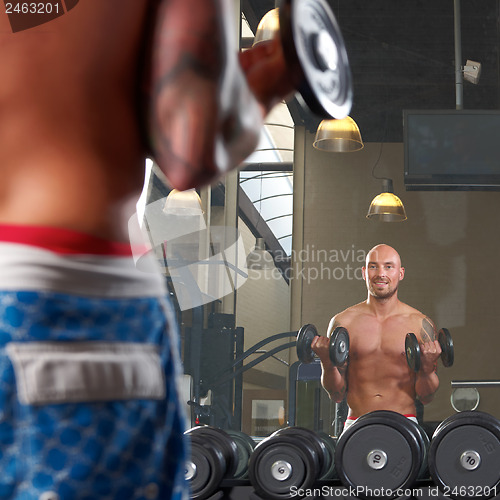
{"x": 383, "y": 391}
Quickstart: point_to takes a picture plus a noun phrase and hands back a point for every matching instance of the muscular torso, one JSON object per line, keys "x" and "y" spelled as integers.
{"x": 71, "y": 153}
{"x": 378, "y": 374}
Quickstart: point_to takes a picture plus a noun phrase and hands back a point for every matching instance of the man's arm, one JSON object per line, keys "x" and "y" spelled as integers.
{"x": 427, "y": 381}
{"x": 203, "y": 118}
{"x": 207, "y": 104}
{"x": 333, "y": 379}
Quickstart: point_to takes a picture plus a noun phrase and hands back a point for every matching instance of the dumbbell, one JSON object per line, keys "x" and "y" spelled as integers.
{"x": 330, "y": 443}
{"x": 289, "y": 460}
{"x": 314, "y": 48}
{"x": 214, "y": 456}
{"x": 338, "y": 347}
{"x": 464, "y": 455}
{"x": 382, "y": 452}
{"x": 412, "y": 349}
{"x": 245, "y": 445}
{"x": 323, "y": 443}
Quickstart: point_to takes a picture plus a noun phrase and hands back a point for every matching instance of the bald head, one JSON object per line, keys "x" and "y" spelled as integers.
{"x": 383, "y": 252}
{"x": 383, "y": 272}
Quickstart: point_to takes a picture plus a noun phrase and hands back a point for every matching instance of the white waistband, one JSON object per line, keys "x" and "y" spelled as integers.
{"x": 24, "y": 267}
{"x": 351, "y": 421}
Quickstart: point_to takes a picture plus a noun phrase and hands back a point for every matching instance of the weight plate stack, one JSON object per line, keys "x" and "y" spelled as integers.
{"x": 304, "y": 340}
{"x": 446, "y": 343}
{"x": 339, "y": 346}
{"x": 282, "y": 465}
{"x": 424, "y": 469}
{"x": 245, "y": 445}
{"x": 412, "y": 350}
{"x": 314, "y": 440}
{"x": 214, "y": 456}
{"x": 464, "y": 455}
{"x": 380, "y": 453}
{"x": 204, "y": 470}
{"x": 330, "y": 444}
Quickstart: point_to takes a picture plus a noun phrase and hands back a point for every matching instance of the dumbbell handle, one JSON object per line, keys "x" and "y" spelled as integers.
{"x": 412, "y": 348}
{"x": 338, "y": 345}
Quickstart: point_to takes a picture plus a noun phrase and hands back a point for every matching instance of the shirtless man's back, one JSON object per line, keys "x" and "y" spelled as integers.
{"x": 378, "y": 376}
{"x": 70, "y": 148}
{"x": 83, "y": 98}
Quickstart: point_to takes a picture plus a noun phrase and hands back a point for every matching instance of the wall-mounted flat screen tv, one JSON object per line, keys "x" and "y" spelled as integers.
{"x": 452, "y": 150}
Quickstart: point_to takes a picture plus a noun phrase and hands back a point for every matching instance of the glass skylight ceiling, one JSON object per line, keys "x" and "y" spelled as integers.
{"x": 271, "y": 191}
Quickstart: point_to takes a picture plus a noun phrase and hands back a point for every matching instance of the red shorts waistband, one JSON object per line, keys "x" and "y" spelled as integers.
{"x": 62, "y": 241}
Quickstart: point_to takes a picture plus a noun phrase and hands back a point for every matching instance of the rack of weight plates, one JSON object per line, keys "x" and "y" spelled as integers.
{"x": 382, "y": 455}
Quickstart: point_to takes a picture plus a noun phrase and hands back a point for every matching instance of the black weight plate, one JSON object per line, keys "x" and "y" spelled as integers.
{"x": 277, "y": 467}
{"x": 380, "y": 431}
{"x": 221, "y": 440}
{"x": 339, "y": 346}
{"x": 446, "y": 343}
{"x": 464, "y": 455}
{"x": 412, "y": 350}
{"x": 245, "y": 445}
{"x": 424, "y": 470}
{"x": 304, "y": 339}
{"x": 330, "y": 446}
{"x": 204, "y": 470}
{"x": 309, "y": 437}
{"x": 310, "y": 35}
{"x": 470, "y": 442}
{"x": 351, "y": 459}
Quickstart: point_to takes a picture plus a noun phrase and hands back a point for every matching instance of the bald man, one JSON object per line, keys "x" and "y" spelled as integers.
{"x": 378, "y": 376}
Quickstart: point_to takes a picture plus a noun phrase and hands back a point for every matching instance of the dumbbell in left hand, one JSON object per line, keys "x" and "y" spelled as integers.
{"x": 315, "y": 55}
{"x": 412, "y": 349}
{"x": 338, "y": 346}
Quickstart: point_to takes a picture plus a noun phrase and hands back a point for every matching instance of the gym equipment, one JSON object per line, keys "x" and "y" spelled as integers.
{"x": 288, "y": 460}
{"x": 464, "y": 455}
{"x": 330, "y": 444}
{"x": 319, "y": 445}
{"x": 446, "y": 343}
{"x": 214, "y": 456}
{"x": 338, "y": 348}
{"x": 312, "y": 43}
{"x": 412, "y": 349}
{"x": 382, "y": 452}
{"x": 245, "y": 445}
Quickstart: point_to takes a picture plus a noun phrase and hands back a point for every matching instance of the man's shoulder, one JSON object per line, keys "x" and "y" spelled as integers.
{"x": 349, "y": 314}
{"x": 417, "y": 318}
{"x": 408, "y": 310}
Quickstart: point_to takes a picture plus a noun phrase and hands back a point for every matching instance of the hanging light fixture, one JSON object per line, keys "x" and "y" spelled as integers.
{"x": 186, "y": 203}
{"x": 259, "y": 258}
{"x": 338, "y": 136}
{"x": 268, "y": 26}
{"x": 386, "y": 207}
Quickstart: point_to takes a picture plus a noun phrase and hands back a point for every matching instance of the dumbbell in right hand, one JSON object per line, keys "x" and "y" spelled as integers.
{"x": 338, "y": 345}
{"x": 412, "y": 349}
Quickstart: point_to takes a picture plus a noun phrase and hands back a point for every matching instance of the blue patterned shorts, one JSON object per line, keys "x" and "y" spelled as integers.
{"x": 99, "y": 446}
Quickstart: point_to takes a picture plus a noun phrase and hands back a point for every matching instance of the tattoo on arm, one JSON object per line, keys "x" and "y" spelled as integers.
{"x": 332, "y": 327}
{"x": 428, "y": 332}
